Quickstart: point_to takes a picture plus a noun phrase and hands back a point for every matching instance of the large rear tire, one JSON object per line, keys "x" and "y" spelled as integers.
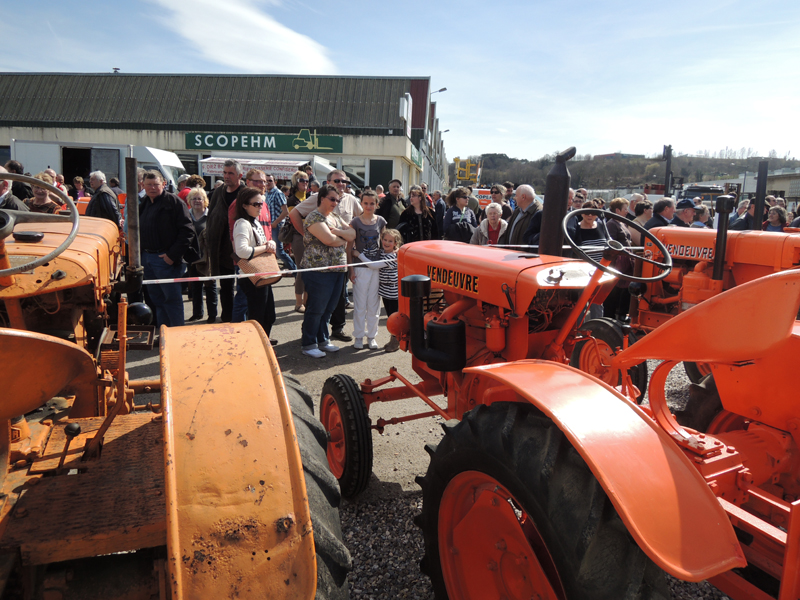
{"x": 343, "y": 414}
{"x": 594, "y": 357}
{"x": 333, "y": 558}
{"x": 696, "y": 371}
{"x": 510, "y": 509}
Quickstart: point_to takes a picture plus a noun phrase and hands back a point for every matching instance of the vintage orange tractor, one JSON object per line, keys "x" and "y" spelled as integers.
{"x": 552, "y": 483}
{"x": 218, "y": 489}
{"x": 706, "y": 263}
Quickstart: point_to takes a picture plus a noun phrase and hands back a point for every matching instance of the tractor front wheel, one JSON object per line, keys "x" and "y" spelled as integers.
{"x": 344, "y": 415}
{"x": 333, "y": 558}
{"x": 511, "y": 510}
{"x": 594, "y": 355}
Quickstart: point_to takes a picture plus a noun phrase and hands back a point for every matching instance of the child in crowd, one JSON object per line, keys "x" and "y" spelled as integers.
{"x": 366, "y": 300}
{"x": 391, "y": 240}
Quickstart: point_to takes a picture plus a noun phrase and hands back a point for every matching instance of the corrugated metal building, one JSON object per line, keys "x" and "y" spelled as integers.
{"x": 374, "y": 127}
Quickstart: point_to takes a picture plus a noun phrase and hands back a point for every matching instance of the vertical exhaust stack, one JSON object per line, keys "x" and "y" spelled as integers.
{"x": 761, "y": 194}
{"x": 724, "y": 207}
{"x": 556, "y": 195}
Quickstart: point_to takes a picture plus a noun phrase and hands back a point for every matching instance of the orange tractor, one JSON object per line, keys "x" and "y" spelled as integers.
{"x": 217, "y": 489}
{"x": 554, "y": 484}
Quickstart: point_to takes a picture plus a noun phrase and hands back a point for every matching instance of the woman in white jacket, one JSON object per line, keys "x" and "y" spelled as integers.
{"x": 251, "y": 239}
{"x": 491, "y": 228}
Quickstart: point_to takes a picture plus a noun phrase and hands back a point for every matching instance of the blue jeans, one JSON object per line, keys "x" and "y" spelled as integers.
{"x": 239, "y": 302}
{"x": 280, "y": 253}
{"x": 166, "y": 297}
{"x": 324, "y": 291}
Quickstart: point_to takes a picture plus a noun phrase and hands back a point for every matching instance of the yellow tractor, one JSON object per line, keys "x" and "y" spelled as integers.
{"x": 220, "y": 489}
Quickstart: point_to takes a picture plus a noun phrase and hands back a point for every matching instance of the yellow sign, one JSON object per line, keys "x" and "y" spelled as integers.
{"x": 467, "y": 171}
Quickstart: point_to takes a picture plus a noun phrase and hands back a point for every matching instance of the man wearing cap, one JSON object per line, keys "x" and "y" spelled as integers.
{"x": 663, "y": 211}
{"x": 635, "y": 199}
{"x": 183, "y": 187}
{"x": 684, "y": 213}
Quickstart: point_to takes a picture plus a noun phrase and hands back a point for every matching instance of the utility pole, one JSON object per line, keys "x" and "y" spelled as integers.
{"x": 667, "y": 156}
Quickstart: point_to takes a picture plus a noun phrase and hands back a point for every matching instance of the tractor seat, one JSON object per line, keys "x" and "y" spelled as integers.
{"x": 36, "y": 367}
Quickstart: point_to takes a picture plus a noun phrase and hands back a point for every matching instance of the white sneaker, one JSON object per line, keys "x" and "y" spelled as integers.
{"x": 373, "y": 345}
{"x": 358, "y": 344}
{"x": 329, "y": 347}
{"x": 314, "y": 353}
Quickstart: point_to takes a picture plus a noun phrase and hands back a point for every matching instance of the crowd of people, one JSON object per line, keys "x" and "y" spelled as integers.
{"x": 336, "y": 237}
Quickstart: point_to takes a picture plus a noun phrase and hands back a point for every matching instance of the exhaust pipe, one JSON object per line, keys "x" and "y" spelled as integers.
{"x": 445, "y": 348}
{"x": 724, "y": 207}
{"x": 556, "y": 195}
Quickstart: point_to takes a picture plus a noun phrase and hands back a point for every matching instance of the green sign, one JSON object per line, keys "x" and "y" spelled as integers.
{"x": 416, "y": 156}
{"x": 305, "y": 141}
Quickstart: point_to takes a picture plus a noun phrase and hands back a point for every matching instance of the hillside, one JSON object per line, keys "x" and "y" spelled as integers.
{"x": 618, "y": 171}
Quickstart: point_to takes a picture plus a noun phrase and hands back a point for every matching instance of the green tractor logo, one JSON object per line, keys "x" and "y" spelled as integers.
{"x": 307, "y": 141}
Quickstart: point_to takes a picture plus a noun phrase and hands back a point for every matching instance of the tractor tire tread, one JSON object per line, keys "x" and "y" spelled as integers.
{"x": 333, "y": 558}
{"x": 518, "y": 446}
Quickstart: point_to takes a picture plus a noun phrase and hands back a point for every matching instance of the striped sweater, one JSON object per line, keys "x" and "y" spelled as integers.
{"x": 387, "y": 284}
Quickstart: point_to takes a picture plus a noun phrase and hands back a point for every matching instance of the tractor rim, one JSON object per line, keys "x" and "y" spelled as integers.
{"x": 725, "y": 421}
{"x": 331, "y": 418}
{"x": 489, "y": 547}
{"x": 595, "y": 359}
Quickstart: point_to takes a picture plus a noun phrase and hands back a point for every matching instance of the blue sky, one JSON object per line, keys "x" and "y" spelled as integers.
{"x": 522, "y": 78}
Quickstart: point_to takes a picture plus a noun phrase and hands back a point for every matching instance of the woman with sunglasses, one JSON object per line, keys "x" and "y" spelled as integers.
{"x": 325, "y": 237}
{"x": 251, "y": 239}
{"x": 417, "y": 222}
{"x": 499, "y": 196}
{"x": 459, "y": 221}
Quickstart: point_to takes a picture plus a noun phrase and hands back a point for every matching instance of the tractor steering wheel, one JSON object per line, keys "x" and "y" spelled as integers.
{"x": 9, "y": 218}
{"x": 666, "y": 266}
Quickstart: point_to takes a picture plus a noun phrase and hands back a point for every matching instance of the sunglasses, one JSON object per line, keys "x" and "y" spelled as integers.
{"x": 302, "y": 180}
{"x": 346, "y": 181}
{"x": 257, "y": 204}
{"x": 337, "y": 200}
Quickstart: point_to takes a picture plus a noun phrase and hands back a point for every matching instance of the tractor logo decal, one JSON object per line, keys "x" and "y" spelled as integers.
{"x": 455, "y": 279}
{"x": 682, "y": 251}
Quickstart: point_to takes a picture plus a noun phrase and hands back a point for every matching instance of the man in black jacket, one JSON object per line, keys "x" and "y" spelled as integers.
{"x": 392, "y": 204}
{"x": 663, "y": 211}
{"x": 20, "y": 190}
{"x": 684, "y": 213}
{"x": 104, "y": 202}
{"x": 165, "y": 232}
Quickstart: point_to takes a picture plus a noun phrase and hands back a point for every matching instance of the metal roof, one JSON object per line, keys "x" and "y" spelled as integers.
{"x": 235, "y": 103}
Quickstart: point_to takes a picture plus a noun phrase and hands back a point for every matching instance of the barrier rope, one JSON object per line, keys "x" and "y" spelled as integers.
{"x": 269, "y": 273}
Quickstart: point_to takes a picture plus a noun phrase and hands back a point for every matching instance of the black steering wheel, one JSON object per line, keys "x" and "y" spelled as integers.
{"x": 617, "y": 248}
{"x": 9, "y": 218}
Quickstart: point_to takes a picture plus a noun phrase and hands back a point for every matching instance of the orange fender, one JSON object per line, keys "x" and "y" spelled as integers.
{"x": 238, "y": 522}
{"x": 664, "y": 502}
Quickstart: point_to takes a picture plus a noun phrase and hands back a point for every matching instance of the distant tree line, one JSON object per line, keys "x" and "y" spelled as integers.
{"x": 625, "y": 171}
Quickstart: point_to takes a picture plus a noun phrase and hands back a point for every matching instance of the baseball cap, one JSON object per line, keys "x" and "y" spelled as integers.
{"x": 183, "y": 178}
{"x": 684, "y": 203}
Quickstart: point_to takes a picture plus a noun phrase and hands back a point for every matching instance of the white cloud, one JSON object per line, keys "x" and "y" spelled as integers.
{"x": 245, "y": 37}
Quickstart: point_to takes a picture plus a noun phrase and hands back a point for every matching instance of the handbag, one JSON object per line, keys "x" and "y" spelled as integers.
{"x": 286, "y": 232}
{"x": 263, "y": 263}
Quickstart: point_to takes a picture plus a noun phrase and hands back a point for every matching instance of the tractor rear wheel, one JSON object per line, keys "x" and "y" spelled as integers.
{"x": 333, "y": 558}
{"x": 696, "y": 371}
{"x": 511, "y": 510}
{"x": 594, "y": 356}
{"x": 344, "y": 415}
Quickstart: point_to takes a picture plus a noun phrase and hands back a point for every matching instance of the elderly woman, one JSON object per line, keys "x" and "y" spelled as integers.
{"x": 417, "y": 222}
{"x": 198, "y": 202}
{"x": 325, "y": 237}
{"x": 776, "y": 219}
{"x": 643, "y": 212}
{"x": 458, "y": 213}
{"x": 250, "y": 239}
{"x": 491, "y": 228}
{"x": 41, "y": 202}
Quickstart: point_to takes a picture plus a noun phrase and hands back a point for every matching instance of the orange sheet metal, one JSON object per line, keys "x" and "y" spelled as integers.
{"x": 93, "y": 254}
{"x": 666, "y": 505}
{"x": 26, "y": 385}
{"x": 736, "y": 337}
{"x": 238, "y": 523}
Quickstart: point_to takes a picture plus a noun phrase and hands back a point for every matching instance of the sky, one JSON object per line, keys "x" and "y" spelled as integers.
{"x": 523, "y": 78}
